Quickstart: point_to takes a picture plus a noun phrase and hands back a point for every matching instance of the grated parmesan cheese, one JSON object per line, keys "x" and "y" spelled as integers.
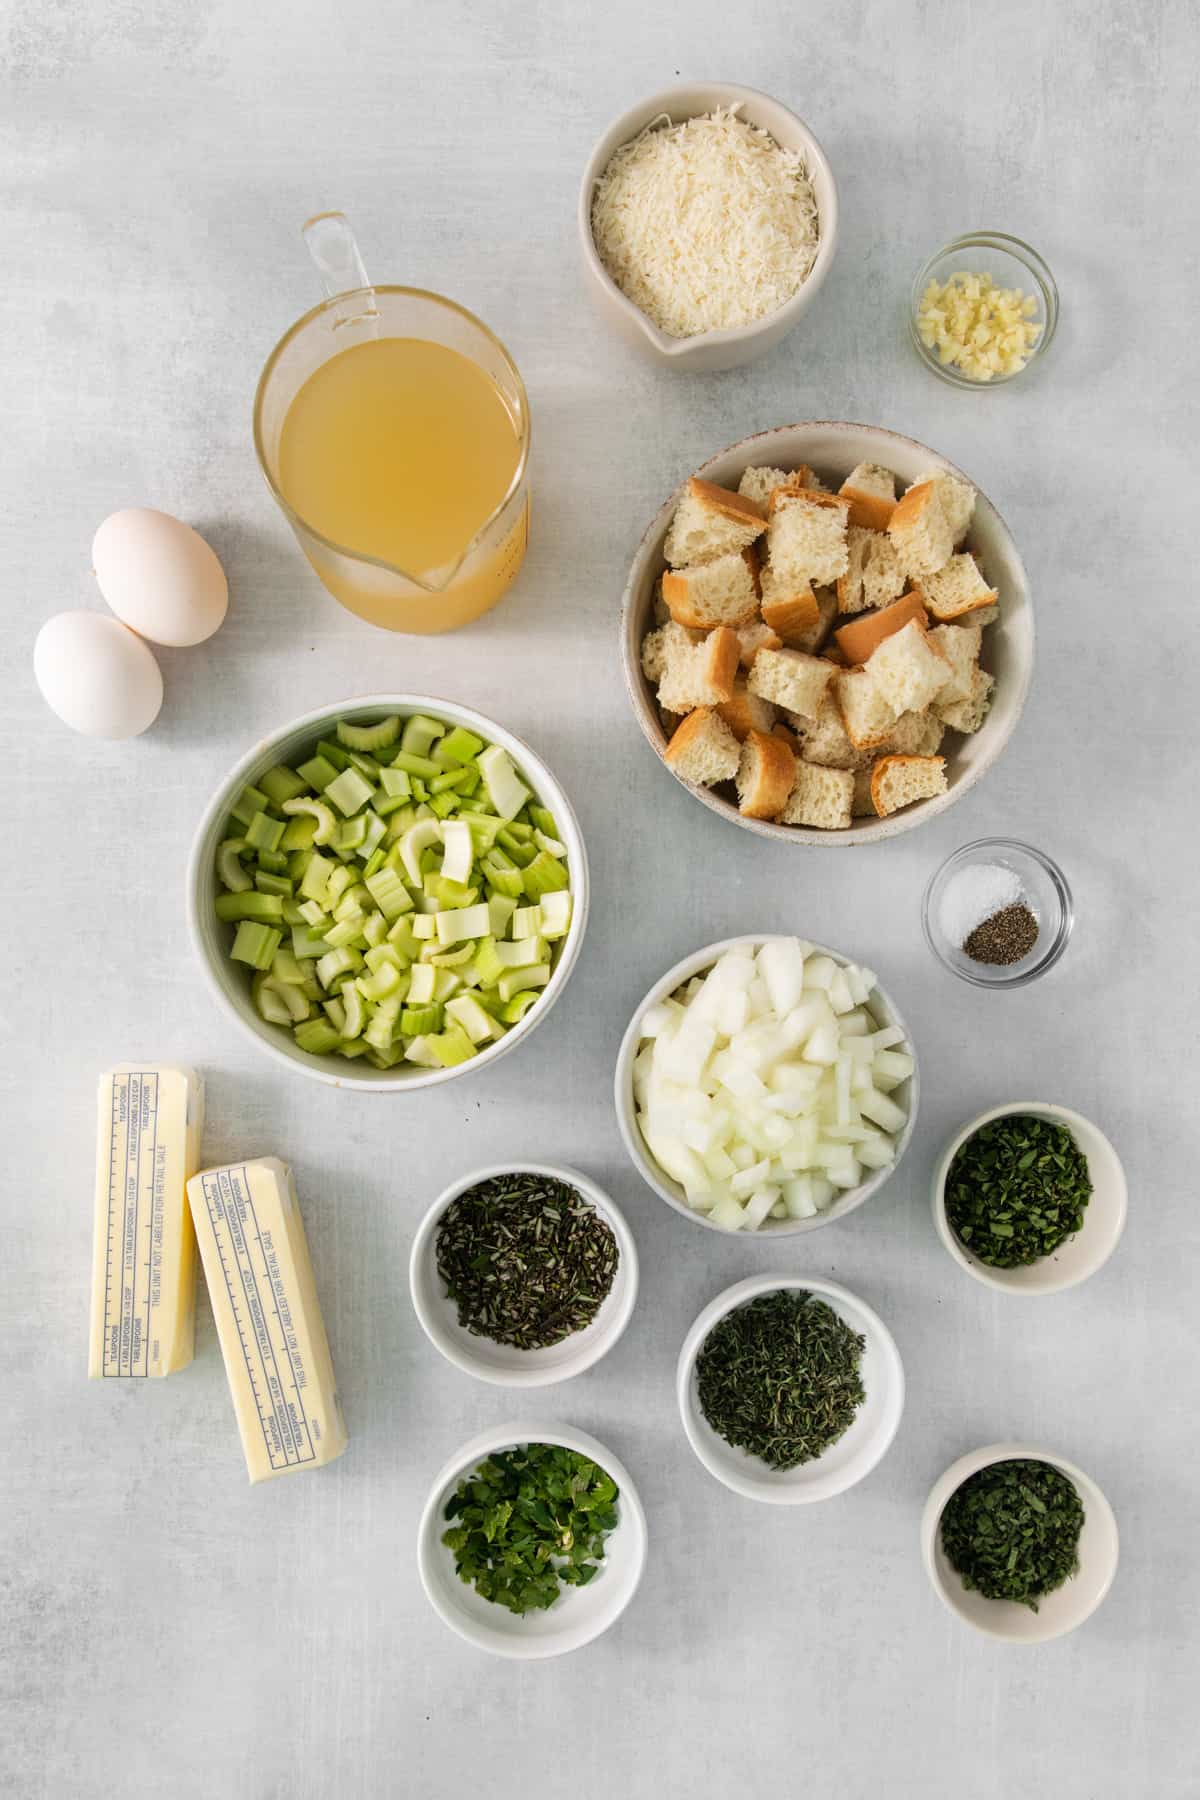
{"x": 707, "y": 224}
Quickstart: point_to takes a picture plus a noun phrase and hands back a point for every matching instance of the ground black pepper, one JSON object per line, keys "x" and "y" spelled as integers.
{"x": 1006, "y": 937}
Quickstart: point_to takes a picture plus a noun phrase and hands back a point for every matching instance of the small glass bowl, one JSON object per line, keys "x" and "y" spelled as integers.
{"x": 1043, "y": 889}
{"x": 1011, "y": 263}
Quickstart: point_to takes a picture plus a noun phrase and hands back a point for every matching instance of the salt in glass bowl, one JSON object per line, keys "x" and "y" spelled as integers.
{"x": 1012, "y": 264}
{"x": 1043, "y": 889}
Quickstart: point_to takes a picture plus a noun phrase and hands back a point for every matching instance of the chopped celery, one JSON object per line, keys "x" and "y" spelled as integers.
{"x": 281, "y": 783}
{"x": 251, "y": 800}
{"x": 267, "y": 908}
{"x": 318, "y": 772}
{"x": 317, "y": 809}
{"x": 420, "y": 734}
{"x": 423, "y": 887}
{"x": 255, "y": 944}
{"x": 460, "y": 745}
{"x": 264, "y": 832}
{"x": 350, "y": 792}
{"x": 369, "y": 737}
{"x": 515, "y": 981}
{"x": 544, "y": 874}
{"x": 229, "y": 868}
{"x": 506, "y": 791}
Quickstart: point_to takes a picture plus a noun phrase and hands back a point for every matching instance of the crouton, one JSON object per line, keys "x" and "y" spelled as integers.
{"x": 866, "y": 715}
{"x": 744, "y": 712}
{"x": 957, "y": 588}
{"x": 823, "y": 739}
{"x": 859, "y": 640}
{"x": 696, "y": 672}
{"x": 898, "y": 781}
{"x": 960, "y": 645}
{"x": 968, "y": 715}
{"x": 908, "y": 669}
{"x": 755, "y": 637}
{"x": 919, "y": 530}
{"x": 957, "y": 500}
{"x": 806, "y": 537}
{"x": 758, "y": 483}
{"x": 764, "y": 776}
{"x": 703, "y": 749}
{"x": 871, "y": 491}
{"x": 711, "y": 521}
{"x": 721, "y": 592}
{"x": 914, "y": 734}
{"x": 820, "y": 797}
{"x": 791, "y": 679}
{"x": 873, "y": 574}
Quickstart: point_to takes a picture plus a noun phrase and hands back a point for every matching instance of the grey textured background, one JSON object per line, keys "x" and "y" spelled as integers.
{"x": 164, "y": 1629}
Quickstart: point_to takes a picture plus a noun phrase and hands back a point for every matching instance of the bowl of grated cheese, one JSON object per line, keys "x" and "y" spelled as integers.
{"x": 708, "y": 221}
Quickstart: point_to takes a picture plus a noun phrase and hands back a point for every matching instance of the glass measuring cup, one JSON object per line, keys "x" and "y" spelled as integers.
{"x": 466, "y": 582}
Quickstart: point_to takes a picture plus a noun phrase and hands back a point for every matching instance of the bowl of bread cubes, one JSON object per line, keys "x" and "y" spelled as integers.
{"x": 827, "y": 633}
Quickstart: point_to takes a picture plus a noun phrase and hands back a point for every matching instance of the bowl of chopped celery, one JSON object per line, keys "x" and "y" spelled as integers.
{"x": 766, "y": 1084}
{"x": 532, "y": 1541}
{"x": 388, "y": 893}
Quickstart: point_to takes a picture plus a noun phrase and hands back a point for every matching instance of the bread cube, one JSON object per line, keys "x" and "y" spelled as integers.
{"x": 957, "y": 588}
{"x": 920, "y": 532}
{"x": 820, "y": 797}
{"x": 791, "y": 679}
{"x": 871, "y": 491}
{"x": 908, "y": 671}
{"x": 711, "y": 521}
{"x": 703, "y": 749}
{"x": 806, "y": 537}
{"x": 764, "y": 776}
{"x": 867, "y": 715}
{"x": 898, "y": 781}
{"x": 721, "y": 592}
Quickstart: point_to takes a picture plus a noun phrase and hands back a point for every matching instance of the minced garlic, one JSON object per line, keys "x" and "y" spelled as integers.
{"x": 976, "y": 327}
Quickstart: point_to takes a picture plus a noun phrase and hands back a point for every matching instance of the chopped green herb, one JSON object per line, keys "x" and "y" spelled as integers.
{"x": 1016, "y": 1190}
{"x": 528, "y": 1522}
{"x": 526, "y": 1258}
{"x": 1012, "y": 1531}
{"x": 779, "y": 1377}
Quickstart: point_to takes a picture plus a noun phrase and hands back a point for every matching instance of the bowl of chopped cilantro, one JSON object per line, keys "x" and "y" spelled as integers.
{"x": 1019, "y": 1543}
{"x": 532, "y": 1541}
{"x": 790, "y": 1389}
{"x": 1029, "y": 1198}
{"x": 523, "y": 1274}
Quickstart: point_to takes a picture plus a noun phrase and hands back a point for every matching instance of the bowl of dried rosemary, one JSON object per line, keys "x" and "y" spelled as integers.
{"x": 790, "y": 1389}
{"x": 523, "y": 1274}
{"x": 1019, "y": 1543}
{"x": 1029, "y": 1198}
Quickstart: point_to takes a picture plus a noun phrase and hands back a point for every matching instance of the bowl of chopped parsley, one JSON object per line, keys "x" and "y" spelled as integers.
{"x": 523, "y": 1274}
{"x": 790, "y": 1389}
{"x": 532, "y": 1541}
{"x": 1029, "y": 1198}
{"x": 1019, "y": 1543}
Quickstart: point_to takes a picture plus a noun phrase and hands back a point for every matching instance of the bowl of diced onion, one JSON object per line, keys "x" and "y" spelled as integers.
{"x": 475, "y": 1026}
{"x": 766, "y": 1084}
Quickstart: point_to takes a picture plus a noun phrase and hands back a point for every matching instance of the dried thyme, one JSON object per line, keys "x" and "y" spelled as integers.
{"x": 526, "y": 1258}
{"x": 779, "y": 1377}
{"x": 1012, "y": 1531}
{"x": 1016, "y": 1190}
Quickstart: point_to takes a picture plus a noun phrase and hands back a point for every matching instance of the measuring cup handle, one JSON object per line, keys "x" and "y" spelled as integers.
{"x": 335, "y": 254}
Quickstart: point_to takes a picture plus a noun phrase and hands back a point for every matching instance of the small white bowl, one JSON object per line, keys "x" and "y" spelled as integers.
{"x": 845, "y": 1463}
{"x": 709, "y": 350}
{"x": 907, "y": 1094}
{"x": 230, "y": 982}
{"x": 1060, "y": 1611}
{"x": 1103, "y": 1219}
{"x": 579, "y": 1614}
{"x": 833, "y": 448}
{"x": 502, "y": 1364}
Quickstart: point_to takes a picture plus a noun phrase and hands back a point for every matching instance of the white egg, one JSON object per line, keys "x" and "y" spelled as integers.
{"x": 97, "y": 675}
{"x": 159, "y": 576}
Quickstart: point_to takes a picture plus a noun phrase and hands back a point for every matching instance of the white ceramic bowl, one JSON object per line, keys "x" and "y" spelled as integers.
{"x": 230, "y": 982}
{"x": 709, "y": 350}
{"x": 502, "y": 1363}
{"x": 833, "y": 448}
{"x": 845, "y": 1463}
{"x": 907, "y": 1094}
{"x": 579, "y": 1614}
{"x": 1103, "y": 1218}
{"x": 1060, "y": 1611}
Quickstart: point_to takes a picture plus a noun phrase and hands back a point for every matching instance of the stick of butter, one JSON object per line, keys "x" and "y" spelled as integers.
{"x": 268, "y": 1317}
{"x": 143, "y": 1248}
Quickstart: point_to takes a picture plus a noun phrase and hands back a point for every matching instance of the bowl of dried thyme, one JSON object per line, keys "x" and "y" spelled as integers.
{"x": 1019, "y": 1543}
{"x": 523, "y": 1274}
{"x": 790, "y": 1389}
{"x": 1029, "y": 1198}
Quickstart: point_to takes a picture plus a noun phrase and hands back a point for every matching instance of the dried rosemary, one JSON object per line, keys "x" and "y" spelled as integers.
{"x": 779, "y": 1377}
{"x": 526, "y": 1258}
